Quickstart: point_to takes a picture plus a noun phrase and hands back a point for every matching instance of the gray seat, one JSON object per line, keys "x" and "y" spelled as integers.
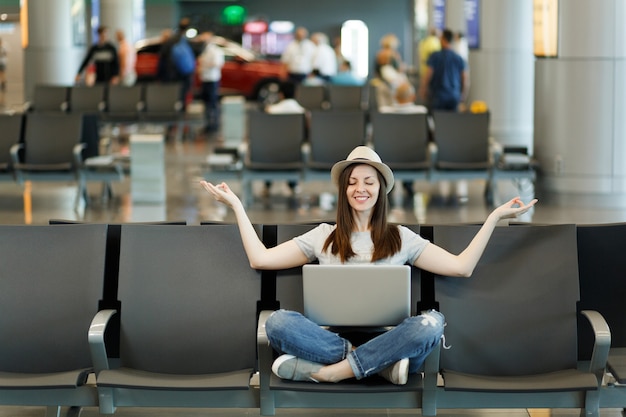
{"x": 512, "y": 325}
{"x": 124, "y": 104}
{"x": 602, "y": 287}
{"x": 162, "y": 103}
{"x": 332, "y": 136}
{"x": 50, "y": 147}
{"x": 462, "y": 150}
{"x": 346, "y": 97}
{"x": 88, "y": 99}
{"x": 274, "y": 150}
{"x": 311, "y": 97}
{"x": 11, "y": 128}
{"x": 373, "y": 392}
{"x": 188, "y": 317}
{"x": 52, "y": 280}
{"x": 401, "y": 140}
{"x": 50, "y": 98}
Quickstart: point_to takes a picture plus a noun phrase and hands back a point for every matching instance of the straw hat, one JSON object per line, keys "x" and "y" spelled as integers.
{"x": 363, "y": 155}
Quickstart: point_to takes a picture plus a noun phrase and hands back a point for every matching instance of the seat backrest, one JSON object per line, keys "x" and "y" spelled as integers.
{"x": 50, "y": 138}
{"x": 188, "y": 299}
{"x": 289, "y": 281}
{"x": 52, "y": 279}
{"x": 462, "y": 139}
{"x": 345, "y": 97}
{"x": 50, "y": 98}
{"x": 88, "y": 99}
{"x": 516, "y": 315}
{"x": 401, "y": 140}
{"x": 124, "y": 99}
{"x": 11, "y": 128}
{"x": 274, "y": 138}
{"x": 602, "y": 286}
{"x": 163, "y": 98}
{"x": 311, "y": 97}
{"x": 333, "y": 135}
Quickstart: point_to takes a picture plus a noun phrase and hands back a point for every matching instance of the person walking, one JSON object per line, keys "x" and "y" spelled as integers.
{"x": 210, "y": 63}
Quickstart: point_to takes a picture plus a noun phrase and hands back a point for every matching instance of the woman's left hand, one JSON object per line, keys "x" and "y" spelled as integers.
{"x": 513, "y": 208}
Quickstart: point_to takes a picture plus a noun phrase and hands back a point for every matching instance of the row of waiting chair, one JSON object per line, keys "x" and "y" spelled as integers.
{"x": 114, "y": 103}
{"x": 54, "y": 147}
{"x": 295, "y": 147}
{"x": 332, "y": 97}
{"x": 175, "y": 317}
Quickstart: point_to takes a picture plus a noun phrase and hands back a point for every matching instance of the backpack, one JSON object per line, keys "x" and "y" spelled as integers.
{"x": 183, "y": 57}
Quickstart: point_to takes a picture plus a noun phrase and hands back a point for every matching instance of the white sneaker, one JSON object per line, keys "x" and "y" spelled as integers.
{"x": 398, "y": 373}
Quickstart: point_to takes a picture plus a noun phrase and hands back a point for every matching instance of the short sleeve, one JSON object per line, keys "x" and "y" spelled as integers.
{"x": 311, "y": 242}
{"x": 412, "y": 244}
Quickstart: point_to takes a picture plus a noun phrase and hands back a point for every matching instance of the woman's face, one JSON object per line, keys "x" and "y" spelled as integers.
{"x": 363, "y": 188}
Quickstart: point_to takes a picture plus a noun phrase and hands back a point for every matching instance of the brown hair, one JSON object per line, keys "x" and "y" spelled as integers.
{"x": 386, "y": 237}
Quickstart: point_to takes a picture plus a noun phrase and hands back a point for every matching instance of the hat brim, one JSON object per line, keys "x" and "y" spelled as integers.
{"x": 384, "y": 170}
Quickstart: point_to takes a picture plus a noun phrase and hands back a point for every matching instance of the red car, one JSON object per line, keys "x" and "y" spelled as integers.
{"x": 244, "y": 73}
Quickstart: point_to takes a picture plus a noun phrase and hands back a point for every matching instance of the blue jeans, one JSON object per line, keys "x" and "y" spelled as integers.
{"x": 292, "y": 333}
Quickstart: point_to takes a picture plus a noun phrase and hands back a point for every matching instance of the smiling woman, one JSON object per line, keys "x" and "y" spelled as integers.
{"x": 361, "y": 235}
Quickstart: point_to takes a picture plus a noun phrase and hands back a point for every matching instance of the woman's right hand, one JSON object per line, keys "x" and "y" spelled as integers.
{"x": 222, "y": 193}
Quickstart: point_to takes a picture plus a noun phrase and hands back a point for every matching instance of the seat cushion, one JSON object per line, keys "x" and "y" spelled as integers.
{"x": 372, "y": 385}
{"x": 617, "y": 364}
{"x": 567, "y": 380}
{"x": 132, "y": 378}
{"x": 55, "y": 380}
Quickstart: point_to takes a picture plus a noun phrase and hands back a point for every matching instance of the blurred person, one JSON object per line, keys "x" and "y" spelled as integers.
{"x": 338, "y": 54}
{"x": 388, "y": 56}
{"x": 210, "y": 63}
{"x": 324, "y": 58}
{"x": 426, "y": 47}
{"x": 345, "y": 76}
{"x": 167, "y": 71}
{"x": 461, "y": 47}
{"x": 104, "y": 56}
{"x": 3, "y": 66}
{"x": 127, "y": 57}
{"x": 388, "y": 70}
{"x": 298, "y": 56}
{"x": 404, "y": 101}
{"x": 445, "y": 84}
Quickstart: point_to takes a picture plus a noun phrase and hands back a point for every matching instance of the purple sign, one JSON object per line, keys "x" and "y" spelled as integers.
{"x": 472, "y": 16}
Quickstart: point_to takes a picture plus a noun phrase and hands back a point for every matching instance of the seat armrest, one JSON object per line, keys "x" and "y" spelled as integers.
{"x": 431, "y": 376}
{"x": 78, "y": 153}
{"x": 96, "y": 340}
{"x": 15, "y": 149}
{"x": 264, "y": 350}
{"x": 602, "y": 343}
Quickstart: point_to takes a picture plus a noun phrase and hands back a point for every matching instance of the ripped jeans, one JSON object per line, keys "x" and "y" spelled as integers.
{"x": 292, "y": 333}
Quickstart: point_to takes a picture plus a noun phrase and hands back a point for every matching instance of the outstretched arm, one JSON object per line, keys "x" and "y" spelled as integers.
{"x": 285, "y": 255}
{"x": 439, "y": 261}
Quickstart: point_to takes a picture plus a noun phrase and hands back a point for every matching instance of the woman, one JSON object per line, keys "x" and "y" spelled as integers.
{"x": 362, "y": 235}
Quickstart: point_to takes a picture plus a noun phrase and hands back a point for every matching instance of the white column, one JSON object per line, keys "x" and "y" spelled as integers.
{"x": 53, "y": 53}
{"x": 580, "y": 102}
{"x": 127, "y": 15}
{"x": 502, "y": 72}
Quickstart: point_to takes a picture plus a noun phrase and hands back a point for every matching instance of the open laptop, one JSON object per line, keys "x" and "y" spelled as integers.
{"x": 357, "y": 295}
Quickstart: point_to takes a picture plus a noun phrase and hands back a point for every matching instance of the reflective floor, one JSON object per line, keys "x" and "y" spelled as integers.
{"x": 38, "y": 202}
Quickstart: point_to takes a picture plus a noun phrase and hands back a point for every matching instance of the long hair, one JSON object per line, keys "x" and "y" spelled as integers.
{"x": 386, "y": 237}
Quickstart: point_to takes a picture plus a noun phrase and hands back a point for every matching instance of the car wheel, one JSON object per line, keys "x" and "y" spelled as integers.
{"x": 268, "y": 92}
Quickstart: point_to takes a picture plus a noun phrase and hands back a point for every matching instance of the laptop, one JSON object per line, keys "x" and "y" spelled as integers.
{"x": 357, "y": 295}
